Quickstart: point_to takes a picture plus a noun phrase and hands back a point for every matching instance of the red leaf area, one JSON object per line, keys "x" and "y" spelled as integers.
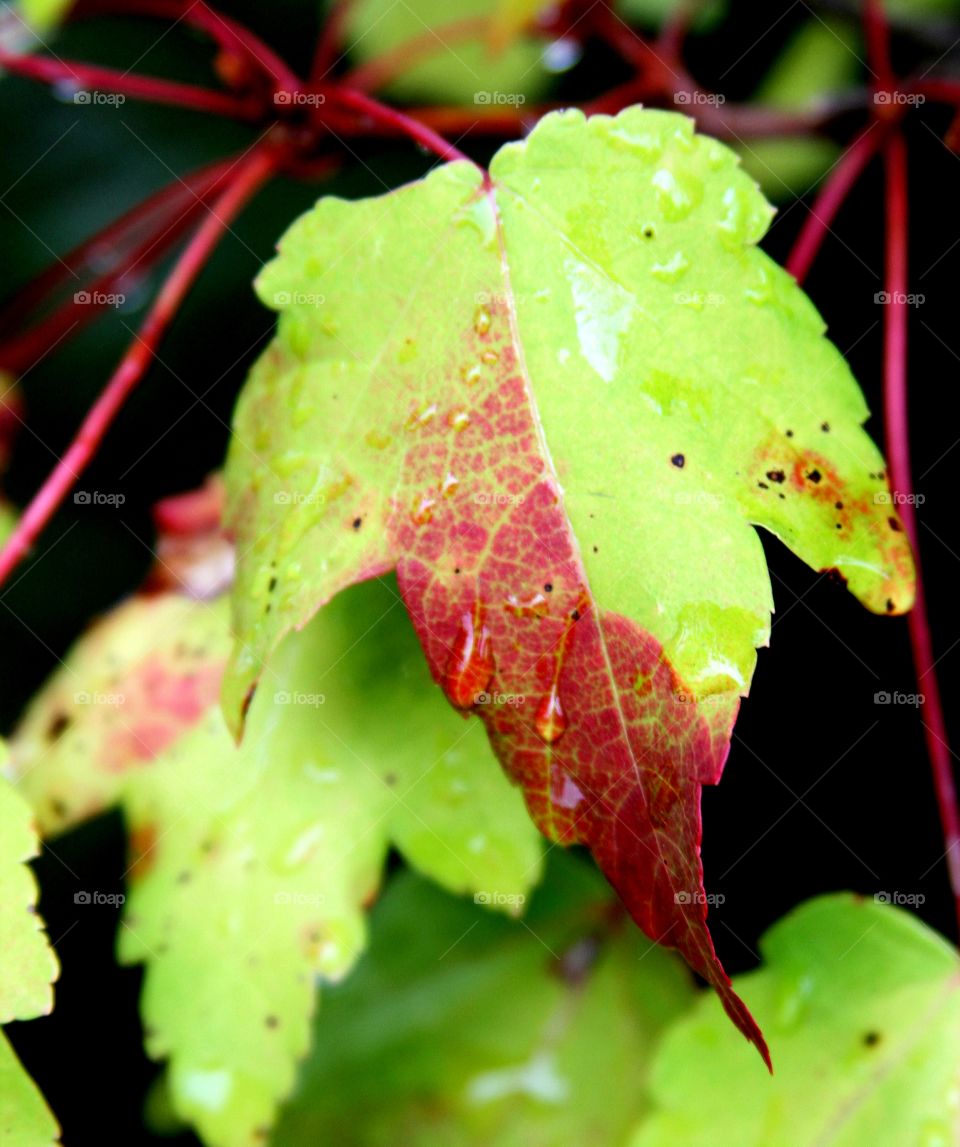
{"x": 582, "y": 707}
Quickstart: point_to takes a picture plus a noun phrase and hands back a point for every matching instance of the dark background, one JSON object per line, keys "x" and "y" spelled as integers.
{"x": 838, "y": 786}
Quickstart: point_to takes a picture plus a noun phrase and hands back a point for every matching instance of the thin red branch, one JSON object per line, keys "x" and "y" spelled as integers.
{"x": 896, "y": 418}
{"x": 112, "y": 242}
{"x": 876, "y": 32}
{"x": 91, "y": 77}
{"x": 250, "y": 175}
{"x": 73, "y": 314}
{"x": 394, "y": 120}
{"x": 328, "y": 42}
{"x": 229, "y": 34}
{"x": 831, "y": 197}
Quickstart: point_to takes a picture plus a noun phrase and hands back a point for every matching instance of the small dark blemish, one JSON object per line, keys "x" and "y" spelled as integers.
{"x": 871, "y": 1039}
{"x": 58, "y": 726}
{"x": 548, "y": 588}
{"x": 825, "y": 427}
{"x": 789, "y": 433}
{"x": 596, "y": 549}
{"x": 838, "y": 505}
{"x": 763, "y": 486}
{"x": 678, "y": 460}
{"x": 59, "y": 807}
{"x": 894, "y": 525}
{"x": 839, "y": 525}
{"x": 456, "y": 570}
{"x": 814, "y": 476}
{"x": 890, "y": 606}
{"x": 782, "y": 497}
{"x": 575, "y": 615}
{"x": 272, "y": 585}
{"x": 776, "y": 476}
{"x": 648, "y": 232}
{"x": 272, "y": 1022}
{"x": 184, "y": 877}
{"x": 390, "y": 779}
{"x": 357, "y": 523}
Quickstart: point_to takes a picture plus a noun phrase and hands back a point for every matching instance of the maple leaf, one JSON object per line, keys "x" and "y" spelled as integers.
{"x": 28, "y": 968}
{"x": 251, "y": 869}
{"x": 863, "y": 1001}
{"x": 557, "y": 400}
{"x": 537, "y": 1032}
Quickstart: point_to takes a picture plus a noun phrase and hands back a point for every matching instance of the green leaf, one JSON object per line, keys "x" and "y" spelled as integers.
{"x": 28, "y": 968}
{"x": 820, "y": 60}
{"x": 251, "y": 868}
{"x": 469, "y": 69}
{"x": 463, "y": 1029}
{"x": 558, "y": 402}
{"x": 860, "y": 1002}
{"x": 706, "y": 14}
{"x": 44, "y": 15}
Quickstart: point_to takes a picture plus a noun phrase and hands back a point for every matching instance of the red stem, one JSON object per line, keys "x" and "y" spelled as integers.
{"x": 831, "y": 197}
{"x": 230, "y": 35}
{"x": 92, "y": 77}
{"x": 896, "y": 418}
{"x": 20, "y": 353}
{"x": 877, "y": 35}
{"x": 250, "y": 175}
{"x": 328, "y": 42}
{"x": 150, "y": 215}
{"x": 395, "y": 120}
